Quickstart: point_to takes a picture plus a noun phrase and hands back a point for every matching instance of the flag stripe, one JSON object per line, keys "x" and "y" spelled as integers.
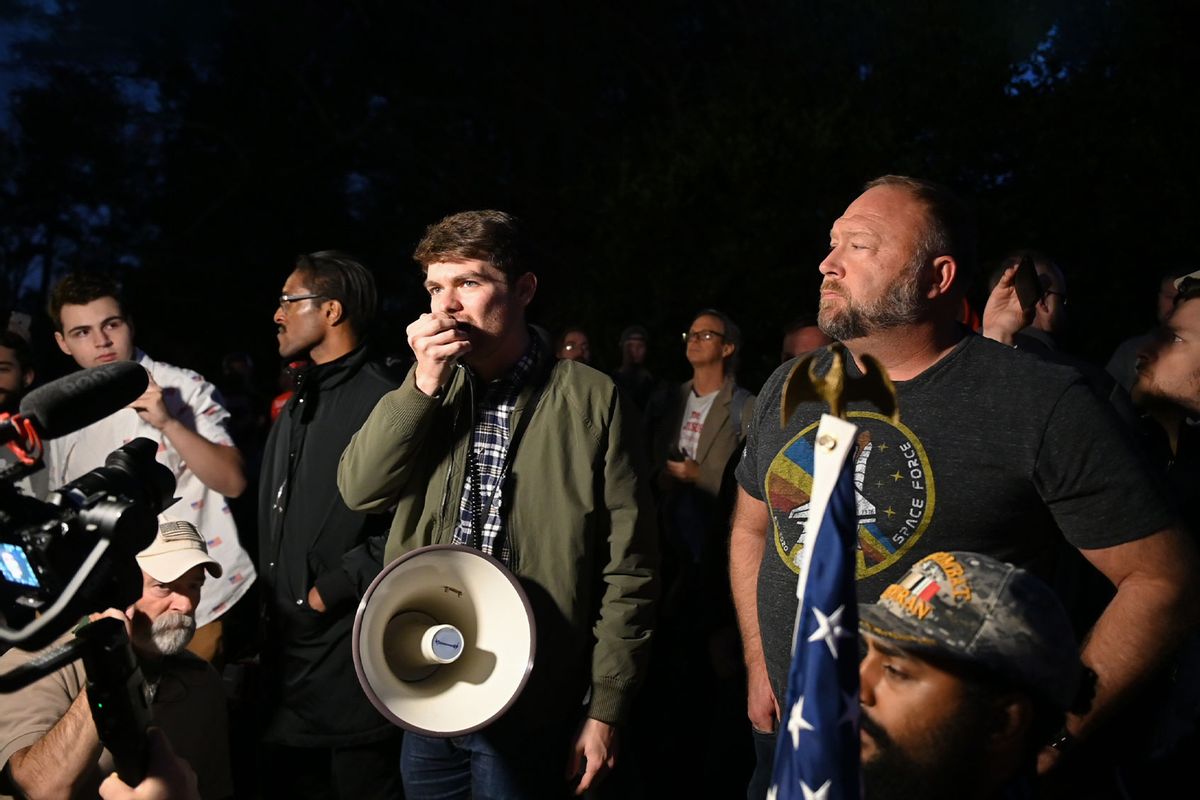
{"x": 817, "y": 752}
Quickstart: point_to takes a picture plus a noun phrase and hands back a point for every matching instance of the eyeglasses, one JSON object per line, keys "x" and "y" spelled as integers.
{"x": 701, "y": 336}
{"x": 286, "y": 299}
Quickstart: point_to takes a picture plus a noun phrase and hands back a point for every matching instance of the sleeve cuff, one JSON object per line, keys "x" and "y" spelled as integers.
{"x": 610, "y": 701}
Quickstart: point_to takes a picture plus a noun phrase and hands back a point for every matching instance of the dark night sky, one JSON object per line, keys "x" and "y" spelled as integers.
{"x": 670, "y": 155}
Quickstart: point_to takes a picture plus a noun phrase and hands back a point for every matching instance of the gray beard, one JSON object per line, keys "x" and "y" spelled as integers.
{"x": 900, "y": 306}
{"x": 171, "y": 633}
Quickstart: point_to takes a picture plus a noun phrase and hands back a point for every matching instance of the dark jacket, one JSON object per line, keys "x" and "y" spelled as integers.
{"x": 307, "y": 537}
{"x": 694, "y": 517}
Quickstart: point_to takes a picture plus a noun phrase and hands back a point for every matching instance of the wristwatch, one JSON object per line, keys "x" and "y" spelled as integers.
{"x": 1063, "y": 741}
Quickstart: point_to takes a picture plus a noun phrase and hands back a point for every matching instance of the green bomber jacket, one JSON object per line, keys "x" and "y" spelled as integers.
{"x": 576, "y": 511}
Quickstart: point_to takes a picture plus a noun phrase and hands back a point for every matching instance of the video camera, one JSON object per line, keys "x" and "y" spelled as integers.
{"x": 79, "y": 545}
{"x": 73, "y": 553}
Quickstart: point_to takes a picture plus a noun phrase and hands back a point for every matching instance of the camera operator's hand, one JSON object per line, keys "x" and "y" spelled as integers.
{"x": 168, "y": 777}
{"x": 150, "y": 406}
{"x": 125, "y": 616}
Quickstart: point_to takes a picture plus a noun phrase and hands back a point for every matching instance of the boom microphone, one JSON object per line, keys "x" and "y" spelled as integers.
{"x": 77, "y": 400}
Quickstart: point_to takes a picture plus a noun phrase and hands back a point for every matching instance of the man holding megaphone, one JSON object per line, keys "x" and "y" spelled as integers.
{"x": 492, "y": 443}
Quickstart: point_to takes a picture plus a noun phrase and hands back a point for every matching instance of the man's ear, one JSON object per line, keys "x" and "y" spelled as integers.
{"x": 727, "y": 350}
{"x": 943, "y": 272}
{"x": 1012, "y": 721}
{"x": 62, "y": 343}
{"x": 525, "y": 288}
{"x": 335, "y": 313}
{"x": 28, "y": 377}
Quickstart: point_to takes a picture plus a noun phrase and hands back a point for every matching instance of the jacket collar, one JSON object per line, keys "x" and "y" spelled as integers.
{"x": 319, "y": 377}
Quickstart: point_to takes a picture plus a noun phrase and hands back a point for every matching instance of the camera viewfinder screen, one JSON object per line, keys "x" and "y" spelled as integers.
{"x": 15, "y": 567}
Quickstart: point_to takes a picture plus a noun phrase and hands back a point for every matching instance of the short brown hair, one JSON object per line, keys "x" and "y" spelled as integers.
{"x": 79, "y": 289}
{"x": 951, "y": 228}
{"x": 491, "y": 236}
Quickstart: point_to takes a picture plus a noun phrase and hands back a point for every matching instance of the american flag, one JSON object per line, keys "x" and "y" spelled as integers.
{"x": 817, "y": 753}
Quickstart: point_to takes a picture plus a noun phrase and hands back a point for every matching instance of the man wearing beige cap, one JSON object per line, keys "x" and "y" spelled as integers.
{"x": 49, "y": 746}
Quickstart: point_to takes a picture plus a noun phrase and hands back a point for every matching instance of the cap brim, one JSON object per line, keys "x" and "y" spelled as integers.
{"x": 875, "y": 620}
{"x": 1194, "y": 276}
{"x": 167, "y": 567}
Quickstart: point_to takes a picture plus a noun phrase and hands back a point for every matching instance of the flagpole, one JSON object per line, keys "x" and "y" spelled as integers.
{"x": 817, "y": 753}
{"x": 834, "y": 444}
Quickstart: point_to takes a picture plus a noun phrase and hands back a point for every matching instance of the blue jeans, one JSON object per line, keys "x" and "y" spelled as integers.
{"x": 484, "y": 767}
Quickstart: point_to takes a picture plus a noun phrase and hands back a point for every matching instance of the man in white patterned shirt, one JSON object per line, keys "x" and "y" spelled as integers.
{"x": 179, "y": 410}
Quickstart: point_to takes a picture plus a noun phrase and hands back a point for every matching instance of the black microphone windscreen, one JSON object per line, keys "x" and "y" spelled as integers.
{"x": 81, "y": 398}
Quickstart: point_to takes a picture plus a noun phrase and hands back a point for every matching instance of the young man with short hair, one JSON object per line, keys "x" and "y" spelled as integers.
{"x": 179, "y": 410}
{"x": 491, "y": 442}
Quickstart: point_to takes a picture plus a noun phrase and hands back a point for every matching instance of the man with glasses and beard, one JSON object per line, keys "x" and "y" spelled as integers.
{"x": 995, "y": 451}
{"x": 49, "y": 746}
{"x": 970, "y": 666}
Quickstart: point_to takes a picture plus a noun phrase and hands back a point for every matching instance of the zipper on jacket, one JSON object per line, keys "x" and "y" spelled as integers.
{"x": 453, "y": 431}
{"x": 514, "y": 553}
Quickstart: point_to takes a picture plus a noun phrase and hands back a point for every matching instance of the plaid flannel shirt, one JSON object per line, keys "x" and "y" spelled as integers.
{"x": 489, "y": 449}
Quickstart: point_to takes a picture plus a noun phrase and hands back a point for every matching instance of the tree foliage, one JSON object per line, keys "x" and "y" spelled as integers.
{"x": 671, "y": 155}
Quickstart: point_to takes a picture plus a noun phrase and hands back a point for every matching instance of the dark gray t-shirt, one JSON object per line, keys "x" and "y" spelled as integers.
{"x": 996, "y": 452}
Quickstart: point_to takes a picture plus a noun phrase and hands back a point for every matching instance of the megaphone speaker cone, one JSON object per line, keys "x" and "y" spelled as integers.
{"x": 414, "y": 645}
{"x": 443, "y": 640}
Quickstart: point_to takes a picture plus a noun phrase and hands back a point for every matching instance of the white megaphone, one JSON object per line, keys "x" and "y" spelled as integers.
{"x": 443, "y": 640}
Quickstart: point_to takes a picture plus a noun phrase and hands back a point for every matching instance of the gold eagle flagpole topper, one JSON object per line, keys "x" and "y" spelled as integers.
{"x": 835, "y": 434}
{"x": 836, "y": 387}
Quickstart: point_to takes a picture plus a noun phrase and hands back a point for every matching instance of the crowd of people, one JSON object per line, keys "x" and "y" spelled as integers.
{"x": 1024, "y": 501}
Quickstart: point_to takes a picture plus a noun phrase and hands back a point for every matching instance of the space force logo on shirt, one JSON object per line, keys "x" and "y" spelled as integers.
{"x": 894, "y": 491}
